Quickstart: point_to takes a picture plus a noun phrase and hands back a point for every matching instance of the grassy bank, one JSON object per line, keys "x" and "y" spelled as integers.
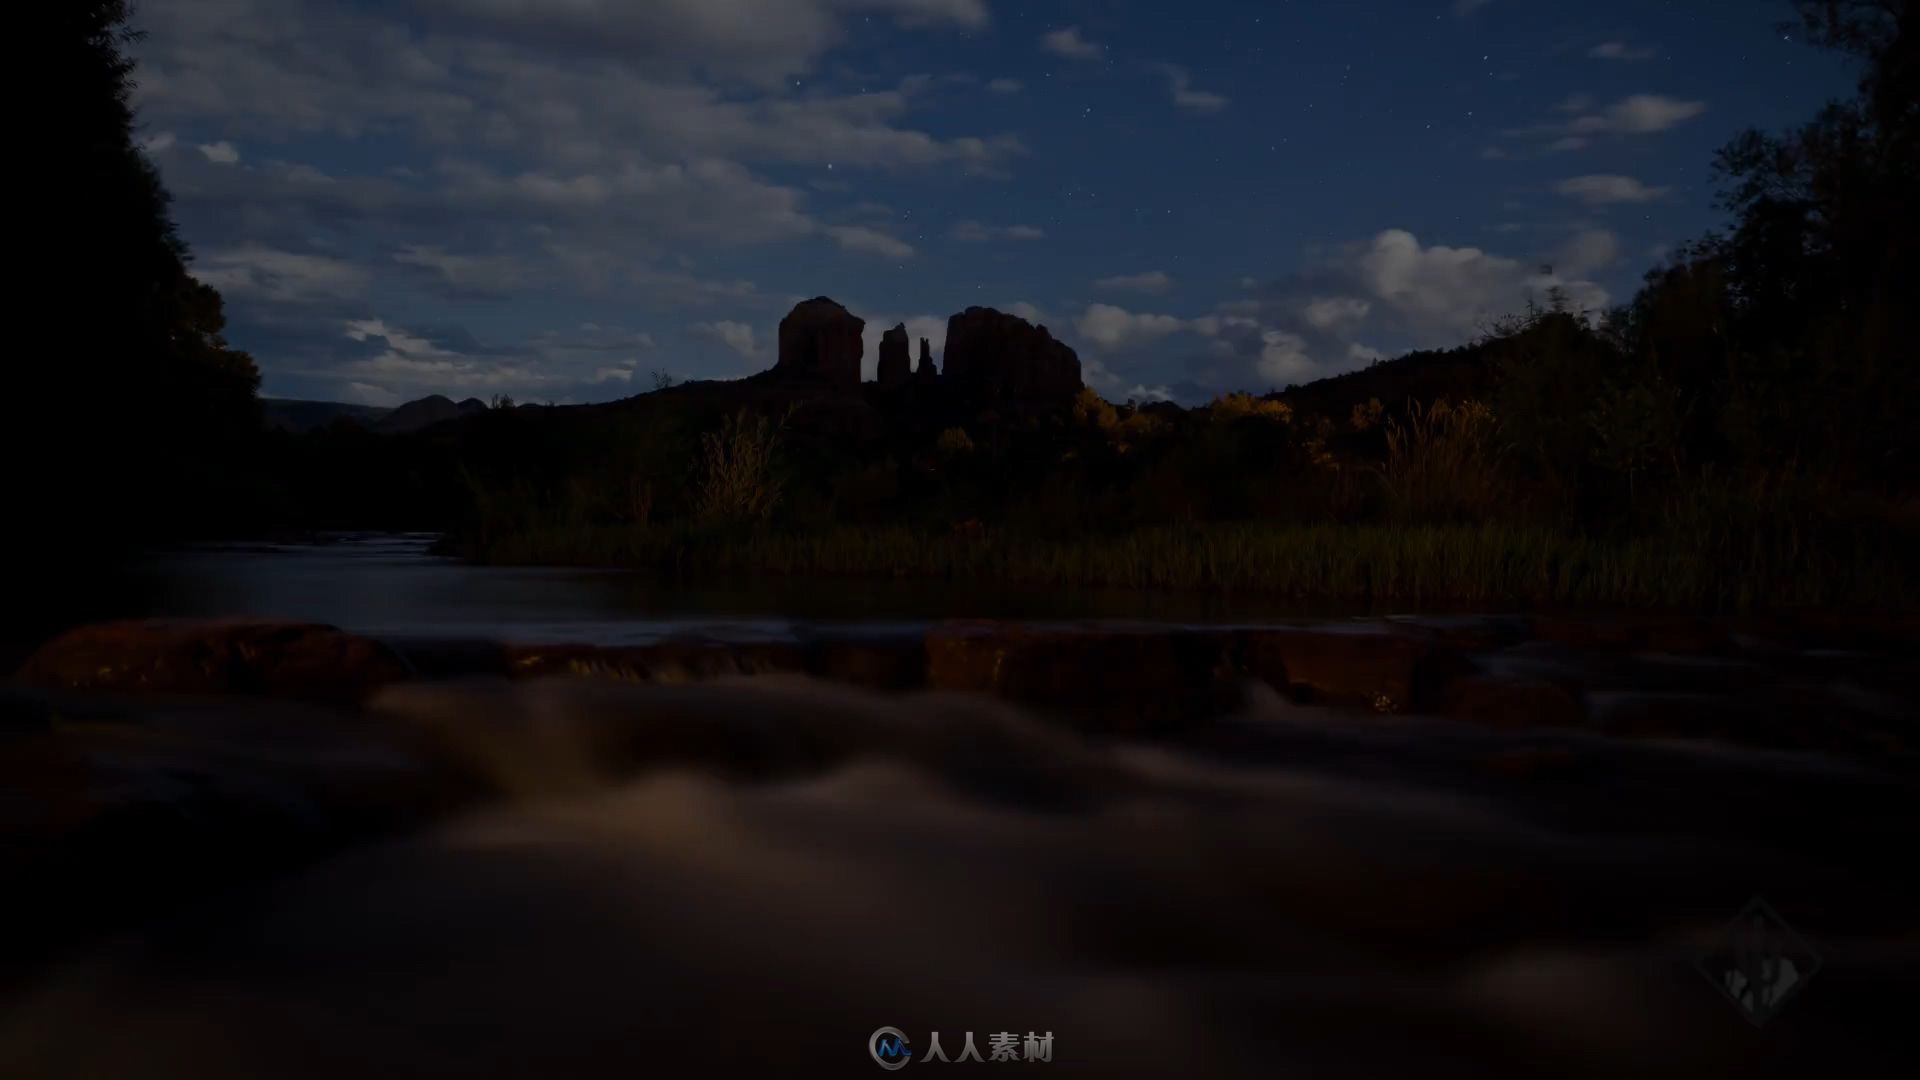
{"x": 1490, "y": 564}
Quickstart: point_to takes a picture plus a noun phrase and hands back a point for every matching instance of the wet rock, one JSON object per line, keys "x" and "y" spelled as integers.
{"x": 665, "y": 662}
{"x": 1106, "y": 680}
{"x": 1371, "y": 666}
{"x": 1650, "y": 633}
{"x": 926, "y": 372}
{"x": 894, "y": 369}
{"x": 1512, "y": 703}
{"x": 993, "y": 357}
{"x": 306, "y": 661}
{"x": 821, "y": 340}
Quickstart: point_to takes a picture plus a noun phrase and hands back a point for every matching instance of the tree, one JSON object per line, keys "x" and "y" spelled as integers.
{"x": 138, "y": 417}
{"x": 1820, "y": 264}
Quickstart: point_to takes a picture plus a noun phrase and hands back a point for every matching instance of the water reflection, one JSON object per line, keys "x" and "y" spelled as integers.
{"x": 392, "y": 584}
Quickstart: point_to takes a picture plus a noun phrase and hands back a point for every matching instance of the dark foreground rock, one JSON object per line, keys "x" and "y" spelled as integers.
{"x": 303, "y": 661}
{"x": 1760, "y": 686}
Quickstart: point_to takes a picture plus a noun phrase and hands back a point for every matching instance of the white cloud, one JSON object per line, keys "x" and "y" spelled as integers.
{"x": 1284, "y": 359}
{"x": 1638, "y": 114}
{"x": 1620, "y": 50}
{"x": 1359, "y": 354}
{"x": 1067, "y": 42}
{"x": 158, "y": 143}
{"x": 1026, "y": 311}
{"x": 258, "y": 272}
{"x": 1109, "y": 327}
{"x": 369, "y": 394}
{"x": 1185, "y": 96}
{"x": 1603, "y": 188}
{"x": 1327, "y": 312}
{"x": 1450, "y": 291}
{"x": 1004, "y": 86}
{"x": 737, "y": 336}
{"x": 1152, "y": 281}
{"x": 220, "y": 153}
{"x": 975, "y": 232}
{"x": 1215, "y": 325}
{"x": 1149, "y": 393}
{"x": 868, "y": 241}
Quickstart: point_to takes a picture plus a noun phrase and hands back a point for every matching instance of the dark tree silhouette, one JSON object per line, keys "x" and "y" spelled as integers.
{"x": 134, "y": 425}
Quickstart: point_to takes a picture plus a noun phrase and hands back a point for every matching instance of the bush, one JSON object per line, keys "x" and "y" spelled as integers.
{"x": 737, "y": 468}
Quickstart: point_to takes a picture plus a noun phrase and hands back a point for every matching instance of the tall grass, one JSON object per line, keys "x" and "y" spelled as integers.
{"x": 1484, "y": 564}
{"x": 1442, "y": 463}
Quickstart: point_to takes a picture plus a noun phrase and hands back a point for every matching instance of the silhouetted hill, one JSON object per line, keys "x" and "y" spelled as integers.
{"x": 427, "y": 411}
{"x": 300, "y": 417}
{"x": 1427, "y": 375}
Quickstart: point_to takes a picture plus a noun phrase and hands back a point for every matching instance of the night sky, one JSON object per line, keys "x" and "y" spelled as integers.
{"x": 554, "y": 198}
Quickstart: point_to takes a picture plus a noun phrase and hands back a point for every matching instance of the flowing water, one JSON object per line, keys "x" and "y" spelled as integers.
{"x": 751, "y": 876}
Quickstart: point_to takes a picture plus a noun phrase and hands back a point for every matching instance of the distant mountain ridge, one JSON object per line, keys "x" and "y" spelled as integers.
{"x": 299, "y": 417}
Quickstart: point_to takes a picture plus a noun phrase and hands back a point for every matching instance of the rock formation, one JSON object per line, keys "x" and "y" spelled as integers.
{"x": 1000, "y": 358}
{"x": 926, "y": 373}
{"x": 894, "y": 361}
{"x": 819, "y": 339}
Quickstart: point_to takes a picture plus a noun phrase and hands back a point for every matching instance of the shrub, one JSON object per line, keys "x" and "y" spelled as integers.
{"x": 738, "y": 480}
{"x": 1240, "y": 406}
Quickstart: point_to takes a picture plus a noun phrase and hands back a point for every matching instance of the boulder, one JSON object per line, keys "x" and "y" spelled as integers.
{"x": 894, "y": 361}
{"x": 994, "y": 357}
{"x": 1109, "y": 681}
{"x": 1361, "y": 665}
{"x": 307, "y": 661}
{"x": 819, "y": 339}
{"x": 926, "y": 372}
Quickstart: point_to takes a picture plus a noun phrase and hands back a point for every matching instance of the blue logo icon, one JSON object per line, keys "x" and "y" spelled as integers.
{"x": 889, "y": 1048}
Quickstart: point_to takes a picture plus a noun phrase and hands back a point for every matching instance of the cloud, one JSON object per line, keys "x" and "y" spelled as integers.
{"x": 220, "y": 153}
{"x": 1601, "y": 189}
{"x": 737, "y": 336}
{"x": 1363, "y": 354}
{"x": 1638, "y": 114}
{"x": 1445, "y": 291}
{"x": 1620, "y": 50}
{"x": 158, "y": 143}
{"x": 257, "y": 272}
{"x": 1185, "y": 96}
{"x": 1152, "y": 281}
{"x": 1109, "y": 327}
{"x": 1327, "y": 312}
{"x": 480, "y": 275}
{"x": 1067, "y": 42}
{"x": 1284, "y": 359}
{"x": 1004, "y": 86}
{"x": 869, "y": 241}
{"x": 974, "y": 232}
